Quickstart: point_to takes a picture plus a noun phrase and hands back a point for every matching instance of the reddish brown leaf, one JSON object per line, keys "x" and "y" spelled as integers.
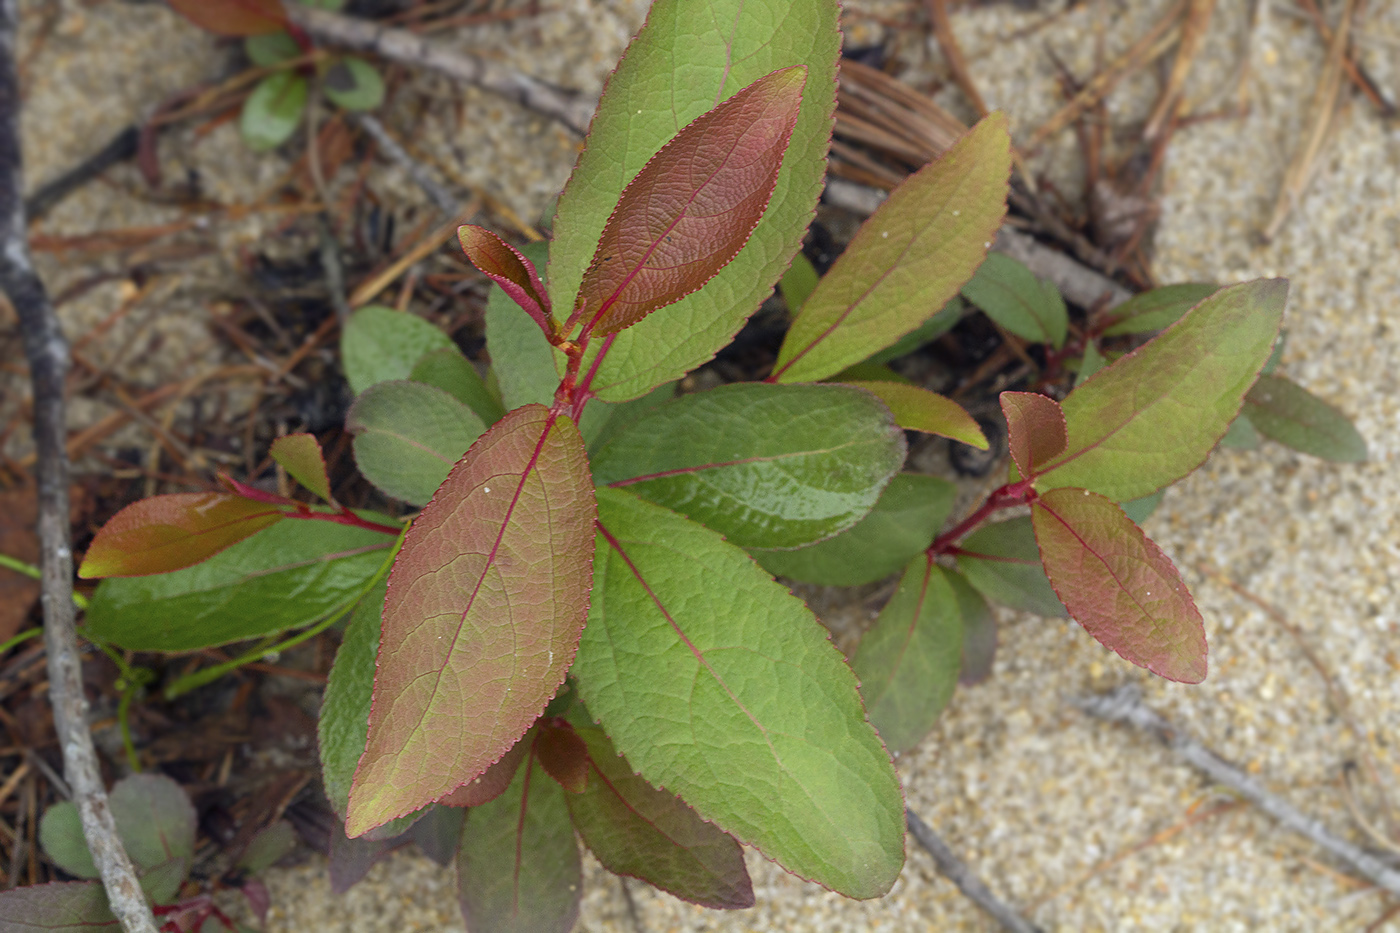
{"x": 19, "y": 511}
{"x": 504, "y": 265}
{"x": 693, "y": 206}
{"x": 165, "y": 533}
{"x": 300, "y": 456}
{"x": 493, "y": 781}
{"x": 1035, "y": 429}
{"x": 234, "y": 17}
{"x": 563, "y": 755}
{"x": 1118, "y": 584}
{"x": 485, "y": 605}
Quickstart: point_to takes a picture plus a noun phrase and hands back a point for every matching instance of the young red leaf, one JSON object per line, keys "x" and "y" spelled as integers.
{"x": 494, "y": 780}
{"x": 917, "y": 409}
{"x": 693, "y": 206}
{"x": 300, "y": 456}
{"x": 165, "y": 533}
{"x": 563, "y": 754}
{"x": 234, "y": 17}
{"x": 1035, "y": 429}
{"x": 508, "y": 268}
{"x": 1118, "y": 584}
{"x": 486, "y": 602}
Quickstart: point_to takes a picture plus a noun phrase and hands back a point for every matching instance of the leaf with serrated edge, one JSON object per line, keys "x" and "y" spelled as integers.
{"x": 720, "y": 686}
{"x": 492, "y": 782}
{"x": 508, "y": 268}
{"x": 1035, "y": 429}
{"x": 300, "y": 456}
{"x": 518, "y": 866}
{"x": 927, "y": 332}
{"x": 907, "y": 260}
{"x": 917, "y": 409}
{"x": 379, "y": 344}
{"x": 1010, "y": 294}
{"x": 1002, "y": 561}
{"x": 1154, "y": 415}
{"x": 639, "y": 831}
{"x": 241, "y": 593}
{"x": 692, "y": 207}
{"x": 1118, "y": 584}
{"x": 1158, "y": 308}
{"x": 910, "y": 511}
{"x": 686, "y": 59}
{"x": 486, "y": 601}
{"x": 1288, "y": 413}
{"x": 521, "y": 357}
{"x": 57, "y": 907}
{"x": 563, "y": 754}
{"x": 165, "y": 533}
{"x": 408, "y": 435}
{"x": 765, "y": 465}
{"x": 454, "y": 374}
{"x": 908, "y": 662}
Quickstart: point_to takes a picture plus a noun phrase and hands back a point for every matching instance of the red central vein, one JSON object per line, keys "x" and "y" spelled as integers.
{"x": 714, "y": 465}
{"x": 633, "y": 810}
{"x": 520, "y": 831}
{"x": 1107, "y": 568}
{"x": 913, "y": 624}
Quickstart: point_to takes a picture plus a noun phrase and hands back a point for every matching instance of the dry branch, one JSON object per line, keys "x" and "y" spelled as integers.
{"x": 48, "y": 357}
{"x": 956, "y": 871}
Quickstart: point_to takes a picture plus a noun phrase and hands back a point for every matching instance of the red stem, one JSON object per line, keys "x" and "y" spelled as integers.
{"x": 346, "y": 517}
{"x": 1001, "y": 498}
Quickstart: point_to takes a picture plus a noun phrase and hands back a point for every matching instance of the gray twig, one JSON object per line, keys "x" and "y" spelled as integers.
{"x": 1125, "y": 705}
{"x": 956, "y": 871}
{"x": 47, "y": 353}
{"x": 406, "y": 48}
{"x": 424, "y": 179}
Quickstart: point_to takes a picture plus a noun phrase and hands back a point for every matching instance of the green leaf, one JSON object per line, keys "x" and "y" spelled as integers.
{"x": 938, "y": 325}
{"x": 979, "y": 625}
{"x": 798, "y": 282}
{"x": 453, "y": 373}
{"x": 720, "y": 686}
{"x": 61, "y": 835}
{"x": 283, "y": 577}
{"x": 620, "y": 415}
{"x": 344, "y": 719}
{"x": 267, "y": 848}
{"x": 1154, "y": 415}
{"x": 692, "y": 207}
{"x": 518, "y": 867}
{"x": 1242, "y": 434}
{"x": 300, "y": 456}
{"x": 917, "y": 409}
{"x": 272, "y": 113}
{"x": 488, "y": 594}
{"x": 379, "y": 344}
{"x": 1158, "y": 308}
{"x": 688, "y": 58}
{"x": 58, "y": 907}
{"x": 165, "y": 533}
{"x": 765, "y": 465}
{"x": 1035, "y": 429}
{"x": 908, "y": 662}
{"x": 510, "y": 270}
{"x": 408, "y": 435}
{"x": 521, "y": 357}
{"x": 271, "y": 48}
{"x": 1011, "y": 295}
{"x": 1139, "y": 510}
{"x": 156, "y": 822}
{"x": 439, "y": 833}
{"x": 639, "y": 831}
{"x": 1092, "y": 362}
{"x": 354, "y": 84}
{"x": 909, "y": 513}
{"x": 1286, "y": 412}
{"x": 1002, "y": 561}
{"x": 910, "y": 256}
{"x": 1118, "y": 584}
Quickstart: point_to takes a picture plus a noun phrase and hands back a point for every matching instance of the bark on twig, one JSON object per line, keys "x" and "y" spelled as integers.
{"x": 1125, "y": 705}
{"x": 956, "y": 871}
{"x": 440, "y": 196}
{"x": 47, "y": 353}
{"x": 407, "y": 48}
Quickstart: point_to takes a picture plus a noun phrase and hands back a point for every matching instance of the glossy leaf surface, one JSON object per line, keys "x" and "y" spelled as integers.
{"x": 909, "y": 513}
{"x": 917, "y": 409}
{"x": 910, "y": 257}
{"x": 927, "y": 332}
{"x": 353, "y": 84}
{"x": 165, "y": 533}
{"x": 281, "y": 578}
{"x": 1035, "y": 429}
{"x": 1286, "y": 412}
{"x": 379, "y": 344}
{"x": 272, "y": 113}
{"x": 486, "y": 601}
{"x": 1154, "y": 415}
{"x": 692, "y": 207}
{"x": 1010, "y": 294}
{"x": 408, "y": 435}
{"x": 1002, "y": 561}
{"x": 720, "y": 686}
{"x": 908, "y": 662}
{"x": 518, "y": 867}
{"x": 1118, "y": 584}
{"x": 639, "y": 831}
{"x": 300, "y": 456}
{"x": 521, "y": 357}
{"x": 57, "y": 907}
{"x": 509, "y": 269}
{"x": 453, "y": 373}
{"x": 1158, "y": 308}
{"x": 233, "y": 17}
{"x": 767, "y": 466}
{"x": 688, "y": 58}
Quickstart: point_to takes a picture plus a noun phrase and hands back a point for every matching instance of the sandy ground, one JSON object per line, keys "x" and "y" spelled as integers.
{"x": 1083, "y": 826}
